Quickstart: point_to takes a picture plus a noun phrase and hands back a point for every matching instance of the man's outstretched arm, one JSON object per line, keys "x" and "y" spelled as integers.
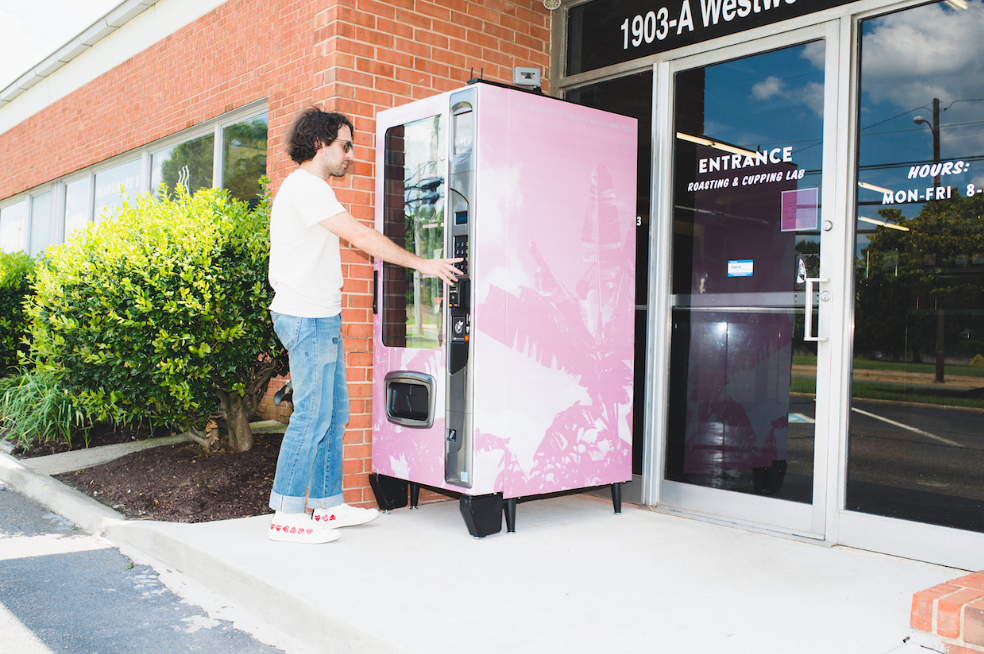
{"x": 367, "y": 239}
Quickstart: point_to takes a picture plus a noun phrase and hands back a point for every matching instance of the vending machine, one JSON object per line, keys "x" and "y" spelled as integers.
{"x": 517, "y": 381}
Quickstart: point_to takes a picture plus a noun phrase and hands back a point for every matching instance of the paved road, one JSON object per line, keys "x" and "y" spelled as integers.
{"x": 63, "y": 590}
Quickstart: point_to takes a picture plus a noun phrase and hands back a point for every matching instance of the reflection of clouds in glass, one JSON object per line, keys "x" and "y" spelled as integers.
{"x": 424, "y": 147}
{"x": 11, "y": 224}
{"x": 768, "y": 88}
{"x": 815, "y": 53}
{"x": 772, "y": 87}
{"x": 913, "y": 56}
{"x": 812, "y": 96}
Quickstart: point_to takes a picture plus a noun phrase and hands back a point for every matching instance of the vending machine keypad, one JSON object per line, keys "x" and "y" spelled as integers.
{"x": 461, "y": 250}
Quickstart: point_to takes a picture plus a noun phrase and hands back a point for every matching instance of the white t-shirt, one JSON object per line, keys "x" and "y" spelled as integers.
{"x": 305, "y": 264}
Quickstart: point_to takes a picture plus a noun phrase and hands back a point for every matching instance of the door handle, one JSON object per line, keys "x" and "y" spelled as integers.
{"x": 808, "y": 310}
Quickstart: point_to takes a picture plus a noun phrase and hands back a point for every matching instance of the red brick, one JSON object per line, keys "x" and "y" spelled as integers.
{"x": 973, "y": 580}
{"x": 384, "y": 9}
{"x": 396, "y": 28}
{"x": 361, "y": 421}
{"x": 432, "y": 10}
{"x": 959, "y": 649}
{"x": 352, "y": 466}
{"x": 948, "y": 609}
{"x": 973, "y": 631}
{"x": 415, "y": 19}
{"x": 922, "y": 605}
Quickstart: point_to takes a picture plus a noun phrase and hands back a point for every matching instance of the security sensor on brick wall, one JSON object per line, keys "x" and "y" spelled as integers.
{"x": 551, "y": 4}
{"x": 528, "y": 77}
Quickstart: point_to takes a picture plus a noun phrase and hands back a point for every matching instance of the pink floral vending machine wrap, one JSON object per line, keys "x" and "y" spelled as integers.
{"x": 550, "y": 220}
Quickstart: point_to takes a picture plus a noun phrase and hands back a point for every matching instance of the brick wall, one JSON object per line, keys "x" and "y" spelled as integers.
{"x": 371, "y": 56}
{"x": 353, "y": 56}
{"x": 949, "y": 617}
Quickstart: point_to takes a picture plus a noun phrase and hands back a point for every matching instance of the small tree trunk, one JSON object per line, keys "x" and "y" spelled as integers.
{"x": 239, "y": 435}
{"x": 237, "y": 424}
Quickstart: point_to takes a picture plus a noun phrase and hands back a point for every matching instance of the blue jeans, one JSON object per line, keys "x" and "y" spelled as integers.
{"x": 311, "y": 453}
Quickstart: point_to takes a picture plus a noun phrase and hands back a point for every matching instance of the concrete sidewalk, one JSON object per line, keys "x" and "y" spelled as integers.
{"x": 573, "y": 578}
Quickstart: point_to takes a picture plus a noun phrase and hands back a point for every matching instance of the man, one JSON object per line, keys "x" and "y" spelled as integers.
{"x": 306, "y": 225}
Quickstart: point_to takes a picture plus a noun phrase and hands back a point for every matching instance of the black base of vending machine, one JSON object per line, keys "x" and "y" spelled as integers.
{"x": 391, "y": 493}
{"x": 482, "y": 514}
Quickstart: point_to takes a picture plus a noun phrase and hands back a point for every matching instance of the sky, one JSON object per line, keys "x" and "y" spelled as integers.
{"x": 30, "y": 30}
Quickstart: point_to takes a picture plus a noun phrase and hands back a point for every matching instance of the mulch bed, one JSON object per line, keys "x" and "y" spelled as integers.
{"x": 176, "y": 483}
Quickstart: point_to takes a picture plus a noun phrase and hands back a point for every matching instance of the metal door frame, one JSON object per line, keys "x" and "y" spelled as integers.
{"x": 802, "y": 520}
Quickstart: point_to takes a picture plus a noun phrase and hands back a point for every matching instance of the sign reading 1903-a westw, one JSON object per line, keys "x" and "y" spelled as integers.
{"x": 606, "y": 32}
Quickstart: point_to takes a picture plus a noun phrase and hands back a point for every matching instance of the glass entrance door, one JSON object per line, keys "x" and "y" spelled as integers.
{"x": 741, "y": 429}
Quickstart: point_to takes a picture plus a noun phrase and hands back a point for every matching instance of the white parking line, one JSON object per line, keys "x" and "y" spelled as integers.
{"x": 947, "y": 441}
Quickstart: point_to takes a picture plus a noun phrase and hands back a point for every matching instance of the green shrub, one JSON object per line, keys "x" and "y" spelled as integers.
{"x": 978, "y": 360}
{"x": 160, "y": 315}
{"x": 34, "y": 407}
{"x": 15, "y": 270}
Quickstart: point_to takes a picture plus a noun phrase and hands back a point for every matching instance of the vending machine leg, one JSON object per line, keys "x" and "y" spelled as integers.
{"x": 391, "y": 493}
{"x": 414, "y": 495}
{"x": 511, "y": 515}
{"x": 617, "y": 496}
{"x": 482, "y": 514}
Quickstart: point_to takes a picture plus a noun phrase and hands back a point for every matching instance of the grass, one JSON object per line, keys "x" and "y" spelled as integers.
{"x": 921, "y": 395}
{"x": 35, "y": 407}
{"x": 896, "y": 393}
{"x": 900, "y": 366}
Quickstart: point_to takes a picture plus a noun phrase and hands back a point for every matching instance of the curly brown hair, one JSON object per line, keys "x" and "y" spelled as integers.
{"x": 311, "y": 129}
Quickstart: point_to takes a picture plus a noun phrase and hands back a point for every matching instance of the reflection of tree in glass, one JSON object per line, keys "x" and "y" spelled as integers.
{"x": 245, "y": 153}
{"x": 908, "y": 280}
{"x": 425, "y": 237}
{"x": 197, "y": 157}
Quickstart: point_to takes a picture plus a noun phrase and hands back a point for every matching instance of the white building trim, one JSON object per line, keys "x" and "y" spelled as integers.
{"x": 124, "y": 32}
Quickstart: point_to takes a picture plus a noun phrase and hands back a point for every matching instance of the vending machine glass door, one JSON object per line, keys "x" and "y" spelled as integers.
{"x": 414, "y": 199}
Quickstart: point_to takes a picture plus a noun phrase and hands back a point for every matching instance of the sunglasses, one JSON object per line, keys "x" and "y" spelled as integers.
{"x": 346, "y": 146}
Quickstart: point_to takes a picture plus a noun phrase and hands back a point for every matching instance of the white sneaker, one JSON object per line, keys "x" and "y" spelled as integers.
{"x": 343, "y": 515}
{"x": 299, "y": 528}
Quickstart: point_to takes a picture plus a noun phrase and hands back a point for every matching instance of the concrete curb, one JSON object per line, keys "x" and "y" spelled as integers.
{"x": 57, "y": 464}
{"x": 78, "y": 507}
{"x": 305, "y": 622}
{"x": 309, "y": 625}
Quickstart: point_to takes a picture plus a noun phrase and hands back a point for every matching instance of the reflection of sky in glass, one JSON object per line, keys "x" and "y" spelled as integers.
{"x": 40, "y": 221}
{"x": 908, "y": 58}
{"x": 11, "y": 226}
{"x": 108, "y": 183}
{"x": 156, "y": 169}
{"x": 76, "y": 205}
{"x": 770, "y": 100}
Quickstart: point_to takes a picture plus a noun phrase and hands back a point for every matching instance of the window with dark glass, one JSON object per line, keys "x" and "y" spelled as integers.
{"x": 918, "y": 367}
